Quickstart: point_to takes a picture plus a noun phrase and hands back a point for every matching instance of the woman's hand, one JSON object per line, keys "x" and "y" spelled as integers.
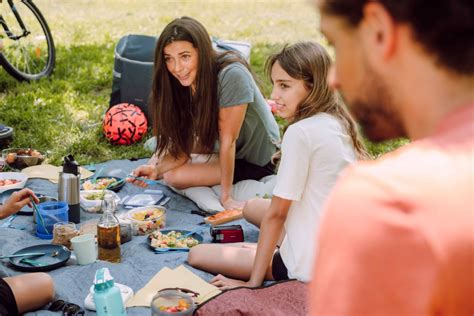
{"x": 17, "y": 201}
{"x": 231, "y": 204}
{"x": 224, "y": 283}
{"x": 144, "y": 171}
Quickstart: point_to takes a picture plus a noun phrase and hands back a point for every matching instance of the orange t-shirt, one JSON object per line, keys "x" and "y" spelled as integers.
{"x": 398, "y": 233}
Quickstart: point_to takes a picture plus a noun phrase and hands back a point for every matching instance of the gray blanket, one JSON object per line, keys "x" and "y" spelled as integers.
{"x": 139, "y": 264}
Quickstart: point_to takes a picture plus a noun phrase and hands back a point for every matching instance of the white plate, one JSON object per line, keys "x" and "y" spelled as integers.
{"x": 13, "y": 175}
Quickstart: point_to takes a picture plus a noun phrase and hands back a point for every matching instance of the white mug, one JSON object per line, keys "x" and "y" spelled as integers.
{"x": 84, "y": 248}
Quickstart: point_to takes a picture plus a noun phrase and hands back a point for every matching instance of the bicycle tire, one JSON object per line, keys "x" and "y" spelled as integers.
{"x": 51, "y": 58}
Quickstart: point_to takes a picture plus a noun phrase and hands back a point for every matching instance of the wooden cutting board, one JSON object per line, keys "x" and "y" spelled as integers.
{"x": 223, "y": 217}
{"x": 51, "y": 173}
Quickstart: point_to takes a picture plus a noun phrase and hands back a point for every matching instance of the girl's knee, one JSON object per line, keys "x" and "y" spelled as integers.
{"x": 195, "y": 256}
{"x": 173, "y": 178}
{"x": 47, "y": 285}
{"x": 249, "y": 205}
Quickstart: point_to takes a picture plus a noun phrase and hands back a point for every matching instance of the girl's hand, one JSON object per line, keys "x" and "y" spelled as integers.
{"x": 224, "y": 283}
{"x": 231, "y": 204}
{"x": 16, "y": 202}
{"x": 144, "y": 171}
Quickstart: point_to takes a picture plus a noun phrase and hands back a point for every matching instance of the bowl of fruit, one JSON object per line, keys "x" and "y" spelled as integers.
{"x": 19, "y": 158}
{"x": 147, "y": 219}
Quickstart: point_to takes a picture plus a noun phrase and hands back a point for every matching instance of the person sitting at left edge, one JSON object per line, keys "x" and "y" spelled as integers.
{"x": 26, "y": 292}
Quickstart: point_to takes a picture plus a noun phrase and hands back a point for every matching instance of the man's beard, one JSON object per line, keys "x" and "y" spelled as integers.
{"x": 374, "y": 109}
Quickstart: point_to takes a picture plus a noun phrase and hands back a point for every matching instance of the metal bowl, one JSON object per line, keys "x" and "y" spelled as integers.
{"x": 20, "y": 158}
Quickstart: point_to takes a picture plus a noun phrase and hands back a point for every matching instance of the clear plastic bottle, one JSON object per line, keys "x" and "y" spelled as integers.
{"x": 108, "y": 232}
{"x": 107, "y": 298}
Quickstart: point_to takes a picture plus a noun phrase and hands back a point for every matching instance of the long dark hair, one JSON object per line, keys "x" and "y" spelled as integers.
{"x": 309, "y": 61}
{"x": 182, "y": 118}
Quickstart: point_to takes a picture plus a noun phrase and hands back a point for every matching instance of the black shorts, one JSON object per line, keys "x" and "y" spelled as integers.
{"x": 7, "y": 300}
{"x": 244, "y": 170}
{"x": 279, "y": 270}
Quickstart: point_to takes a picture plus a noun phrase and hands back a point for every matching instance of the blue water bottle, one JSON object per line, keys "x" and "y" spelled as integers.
{"x": 107, "y": 297}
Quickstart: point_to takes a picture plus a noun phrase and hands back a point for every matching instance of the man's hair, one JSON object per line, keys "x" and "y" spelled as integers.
{"x": 445, "y": 28}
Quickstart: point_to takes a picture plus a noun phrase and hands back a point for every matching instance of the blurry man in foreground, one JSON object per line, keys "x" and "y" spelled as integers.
{"x": 398, "y": 232}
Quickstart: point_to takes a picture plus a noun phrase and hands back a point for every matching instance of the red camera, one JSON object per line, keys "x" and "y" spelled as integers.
{"x": 227, "y": 234}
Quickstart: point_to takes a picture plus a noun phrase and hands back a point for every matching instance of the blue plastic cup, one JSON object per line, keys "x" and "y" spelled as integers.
{"x": 51, "y": 213}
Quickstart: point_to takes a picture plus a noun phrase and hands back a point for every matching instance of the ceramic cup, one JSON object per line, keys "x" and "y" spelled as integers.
{"x": 85, "y": 249}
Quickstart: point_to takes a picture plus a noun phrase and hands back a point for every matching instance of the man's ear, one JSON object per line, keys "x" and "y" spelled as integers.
{"x": 380, "y": 29}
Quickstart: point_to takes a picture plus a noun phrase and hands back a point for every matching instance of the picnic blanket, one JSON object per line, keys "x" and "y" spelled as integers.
{"x": 139, "y": 264}
{"x": 279, "y": 299}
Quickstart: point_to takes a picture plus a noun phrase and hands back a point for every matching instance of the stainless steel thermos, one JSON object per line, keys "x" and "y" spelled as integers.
{"x": 69, "y": 186}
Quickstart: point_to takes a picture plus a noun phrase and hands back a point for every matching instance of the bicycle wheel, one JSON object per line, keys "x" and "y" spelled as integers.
{"x": 31, "y": 56}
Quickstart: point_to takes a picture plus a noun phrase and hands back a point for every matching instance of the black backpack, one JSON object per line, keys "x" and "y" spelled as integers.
{"x": 133, "y": 71}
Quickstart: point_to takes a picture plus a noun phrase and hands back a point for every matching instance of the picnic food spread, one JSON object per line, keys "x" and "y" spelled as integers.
{"x": 95, "y": 196}
{"x": 98, "y": 184}
{"x": 20, "y": 158}
{"x": 63, "y": 233}
{"x": 8, "y": 182}
{"x": 147, "y": 219}
{"x": 91, "y": 200}
{"x": 147, "y": 214}
{"x": 171, "y": 240}
{"x": 223, "y": 217}
{"x": 181, "y": 307}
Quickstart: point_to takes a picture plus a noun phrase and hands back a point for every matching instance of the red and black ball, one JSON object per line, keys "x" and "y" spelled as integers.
{"x": 124, "y": 124}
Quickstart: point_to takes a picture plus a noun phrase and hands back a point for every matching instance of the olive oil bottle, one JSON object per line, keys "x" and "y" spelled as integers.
{"x": 108, "y": 232}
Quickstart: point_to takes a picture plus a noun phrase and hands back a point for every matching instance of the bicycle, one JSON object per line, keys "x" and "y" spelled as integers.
{"x": 27, "y": 49}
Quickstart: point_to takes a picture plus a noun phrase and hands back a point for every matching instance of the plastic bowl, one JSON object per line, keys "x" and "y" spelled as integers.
{"x": 147, "y": 219}
{"x": 172, "y": 302}
{"x": 20, "y": 158}
{"x": 95, "y": 205}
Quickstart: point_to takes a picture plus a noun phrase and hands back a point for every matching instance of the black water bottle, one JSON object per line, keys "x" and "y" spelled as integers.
{"x": 69, "y": 186}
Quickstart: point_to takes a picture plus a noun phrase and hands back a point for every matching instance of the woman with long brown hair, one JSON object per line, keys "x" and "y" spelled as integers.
{"x": 319, "y": 142}
{"x": 206, "y": 103}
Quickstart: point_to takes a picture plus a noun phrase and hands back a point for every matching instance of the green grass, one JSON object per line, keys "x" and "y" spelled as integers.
{"x": 63, "y": 114}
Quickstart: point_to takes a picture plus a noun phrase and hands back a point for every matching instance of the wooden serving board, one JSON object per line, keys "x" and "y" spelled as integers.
{"x": 223, "y": 217}
{"x": 51, "y": 173}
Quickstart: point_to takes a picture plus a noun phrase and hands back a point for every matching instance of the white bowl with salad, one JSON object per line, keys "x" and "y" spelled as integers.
{"x": 91, "y": 200}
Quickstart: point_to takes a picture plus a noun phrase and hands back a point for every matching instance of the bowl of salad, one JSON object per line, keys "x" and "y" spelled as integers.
{"x": 101, "y": 183}
{"x": 91, "y": 200}
{"x": 163, "y": 239}
{"x": 147, "y": 219}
